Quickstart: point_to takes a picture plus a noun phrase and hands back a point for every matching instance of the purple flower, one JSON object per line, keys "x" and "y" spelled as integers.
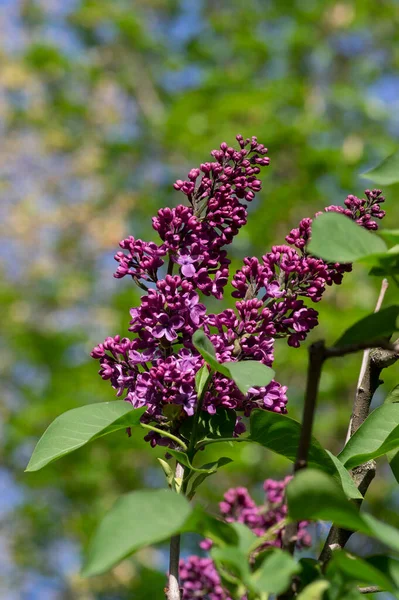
{"x": 187, "y": 397}
{"x": 167, "y": 327}
{"x": 157, "y": 367}
{"x": 196, "y": 310}
{"x": 200, "y": 580}
{"x": 142, "y": 261}
{"x": 141, "y": 394}
{"x": 187, "y": 263}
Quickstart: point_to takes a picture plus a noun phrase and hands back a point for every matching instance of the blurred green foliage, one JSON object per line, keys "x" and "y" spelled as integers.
{"x": 102, "y": 105}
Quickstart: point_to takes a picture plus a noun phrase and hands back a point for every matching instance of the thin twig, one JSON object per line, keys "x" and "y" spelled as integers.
{"x": 370, "y": 589}
{"x": 193, "y": 440}
{"x": 339, "y": 351}
{"x": 362, "y": 475}
{"x": 366, "y": 353}
{"x": 173, "y": 590}
{"x": 317, "y": 355}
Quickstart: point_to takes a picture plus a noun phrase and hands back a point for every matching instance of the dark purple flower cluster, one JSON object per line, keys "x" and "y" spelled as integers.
{"x": 193, "y": 236}
{"x": 286, "y": 275}
{"x": 200, "y": 580}
{"x": 200, "y": 574}
{"x": 157, "y": 368}
{"x": 142, "y": 260}
{"x": 239, "y": 507}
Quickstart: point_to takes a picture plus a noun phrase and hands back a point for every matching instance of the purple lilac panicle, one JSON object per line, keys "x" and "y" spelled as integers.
{"x": 157, "y": 368}
{"x": 199, "y": 575}
{"x": 200, "y": 579}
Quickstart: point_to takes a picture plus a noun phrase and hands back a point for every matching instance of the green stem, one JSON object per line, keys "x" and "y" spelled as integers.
{"x": 204, "y": 443}
{"x": 166, "y": 434}
{"x": 191, "y": 448}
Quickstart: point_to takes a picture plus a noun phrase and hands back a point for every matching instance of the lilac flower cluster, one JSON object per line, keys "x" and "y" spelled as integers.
{"x": 286, "y": 275}
{"x": 199, "y": 577}
{"x": 157, "y": 368}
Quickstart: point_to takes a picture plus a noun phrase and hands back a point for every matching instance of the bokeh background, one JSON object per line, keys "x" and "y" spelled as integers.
{"x": 103, "y": 104}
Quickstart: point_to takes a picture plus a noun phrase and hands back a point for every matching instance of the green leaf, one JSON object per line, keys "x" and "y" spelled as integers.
{"x": 275, "y": 573}
{"x": 183, "y": 459}
{"x": 359, "y": 570}
{"x": 167, "y": 469}
{"x": 381, "y": 531}
{"x": 390, "y": 235}
{"x": 234, "y": 559}
{"x": 78, "y": 426}
{"x": 219, "y": 425}
{"x": 281, "y": 434}
{"x": 386, "y": 565}
{"x": 347, "y": 483}
{"x": 345, "y": 593}
{"x": 314, "y": 591}
{"x": 310, "y": 570}
{"x": 336, "y": 238}
{"x": 249, "y": 373}
{"x": 207, "y": 350}
{"x": 386, "y": 173}
{"x": 201, "y": 379}
{"x": 393, "y": 455}
{"x": 374, "y": 327}
{"x": 208, "y": 469}
{"x": 315, "y": 496}
{"x": 246, "y": 537}
{"x": 245, "y": 374}
{"x": 383, "y": 264}
{"x": 393, "y": 395}
{"x": 393, "y": 459}
{"x": 220, "y": 532}
{"x": 136, "y": 520}
{"x": 376, "y": 436}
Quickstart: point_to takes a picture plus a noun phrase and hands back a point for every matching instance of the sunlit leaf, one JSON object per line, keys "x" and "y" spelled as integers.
{"x": 281, "y": 434}
{"x": 375, "y": 437}
{"x": 360, "y": 570}
{"x": 374, "y": 327}
{"x": 336, "y": 238}
{"x": 275, "y": 573}
{"x": 249, "y": 373}
{"x": 312, "y": 495}
{"x": 386, "y": 173}
{"x": 78, "y": 426}
{"x": 314, "y": 591}
{"x": 136, "y": 520}
{"x": 205, "y": 347}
